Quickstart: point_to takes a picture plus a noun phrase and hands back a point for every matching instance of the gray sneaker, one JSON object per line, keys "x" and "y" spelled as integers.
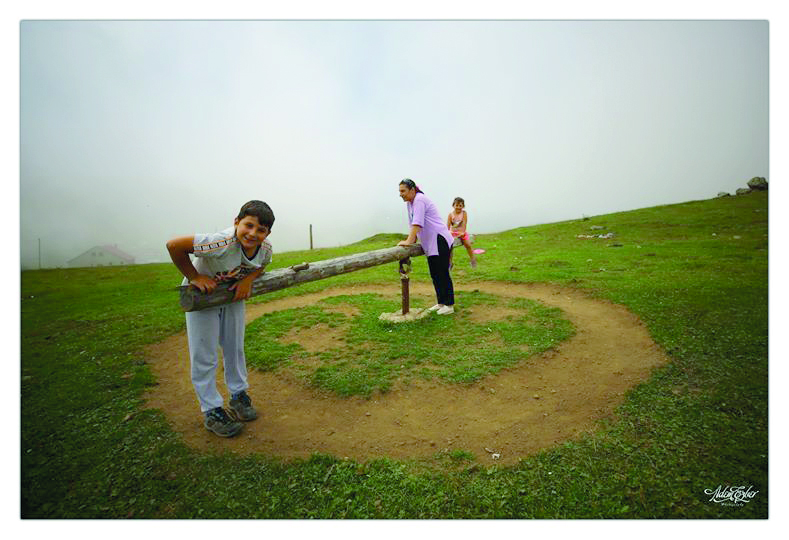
{"x": 219, "y": 422}
{"x": 241, "y": 407}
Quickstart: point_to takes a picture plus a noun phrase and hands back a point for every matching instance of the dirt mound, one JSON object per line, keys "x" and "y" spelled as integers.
{"x": 551, "y": 399}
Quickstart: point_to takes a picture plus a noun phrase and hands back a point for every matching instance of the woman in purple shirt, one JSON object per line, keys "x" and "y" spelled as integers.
{"x": 429, "y": 228}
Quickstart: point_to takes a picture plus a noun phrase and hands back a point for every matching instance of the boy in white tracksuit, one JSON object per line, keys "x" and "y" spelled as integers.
{"x": 238, "y": 254}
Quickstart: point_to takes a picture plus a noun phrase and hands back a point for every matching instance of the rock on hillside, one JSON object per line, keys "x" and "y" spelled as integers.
{"x": 758, "y": 183}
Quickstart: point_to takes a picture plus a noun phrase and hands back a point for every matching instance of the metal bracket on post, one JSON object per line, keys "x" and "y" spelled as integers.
{"x": 405, "y": 268}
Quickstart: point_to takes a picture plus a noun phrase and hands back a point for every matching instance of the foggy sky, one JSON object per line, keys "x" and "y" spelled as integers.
{"x": 134, "y": 132}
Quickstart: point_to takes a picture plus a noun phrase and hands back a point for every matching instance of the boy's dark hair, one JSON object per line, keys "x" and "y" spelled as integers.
{"x": 410, "y": 184}
{"x": 459, "y": 200}
{"x": 260, "y": 210}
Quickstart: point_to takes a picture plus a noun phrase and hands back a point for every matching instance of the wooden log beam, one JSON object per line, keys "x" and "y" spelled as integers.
{"x": 194, "y": 300}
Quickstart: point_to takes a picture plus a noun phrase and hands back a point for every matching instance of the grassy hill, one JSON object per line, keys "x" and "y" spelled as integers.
{"x": 695, "y": 273}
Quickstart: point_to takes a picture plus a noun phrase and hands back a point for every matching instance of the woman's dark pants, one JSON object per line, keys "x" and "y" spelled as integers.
{"x": 439, "y": 271}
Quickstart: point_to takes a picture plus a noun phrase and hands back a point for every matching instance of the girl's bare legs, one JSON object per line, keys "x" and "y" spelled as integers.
{"x": 470, "y": 253}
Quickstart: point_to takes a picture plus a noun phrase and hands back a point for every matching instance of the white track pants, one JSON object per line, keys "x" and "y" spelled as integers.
{"x": 207, "y": 330}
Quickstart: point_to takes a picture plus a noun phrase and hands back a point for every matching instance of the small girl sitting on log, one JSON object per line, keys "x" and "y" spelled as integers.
{"x": 456, "y": 223}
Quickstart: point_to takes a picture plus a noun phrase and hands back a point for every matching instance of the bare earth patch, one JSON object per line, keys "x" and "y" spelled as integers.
{"x": 314, "y": 339}
{"x": 483, "y": 314}
{"x": 553, "y": 398}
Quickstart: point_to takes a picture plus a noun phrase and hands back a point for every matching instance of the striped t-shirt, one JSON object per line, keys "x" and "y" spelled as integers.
{"x": 221, "y": 256}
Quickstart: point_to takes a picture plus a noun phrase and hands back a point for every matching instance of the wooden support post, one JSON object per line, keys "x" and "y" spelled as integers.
{"x": 193, "y": 300}
{"x": 405, "y": 268}
{"x": 310, "y": 235}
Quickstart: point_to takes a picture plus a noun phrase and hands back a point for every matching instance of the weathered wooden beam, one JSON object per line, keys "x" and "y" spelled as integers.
{"x": 194, "y": 300}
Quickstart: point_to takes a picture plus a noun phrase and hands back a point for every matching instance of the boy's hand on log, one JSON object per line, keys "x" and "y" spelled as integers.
{"x": 203, "y": 283}
{"x": 243, "y": 289}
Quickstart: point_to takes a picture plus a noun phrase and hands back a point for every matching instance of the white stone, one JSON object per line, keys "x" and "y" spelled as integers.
{"x": 398, "y": 317}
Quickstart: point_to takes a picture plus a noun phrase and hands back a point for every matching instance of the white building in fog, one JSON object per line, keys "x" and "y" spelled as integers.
{"x": 101, "y": 256}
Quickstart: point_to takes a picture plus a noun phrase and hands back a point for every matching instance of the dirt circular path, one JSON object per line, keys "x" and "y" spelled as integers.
{"x": 548, "y": 400}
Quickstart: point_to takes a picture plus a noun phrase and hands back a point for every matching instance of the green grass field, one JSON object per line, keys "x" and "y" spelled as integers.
{"x": 695, "y": 273}
{"x": 373, "y": 355}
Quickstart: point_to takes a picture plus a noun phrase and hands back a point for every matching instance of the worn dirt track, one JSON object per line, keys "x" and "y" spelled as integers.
{"x": 545, "y": 401}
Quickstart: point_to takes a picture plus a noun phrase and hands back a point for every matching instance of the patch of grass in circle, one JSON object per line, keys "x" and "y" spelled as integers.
{"x": 261, "y": 343}
{"x": 376, "y": 355}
